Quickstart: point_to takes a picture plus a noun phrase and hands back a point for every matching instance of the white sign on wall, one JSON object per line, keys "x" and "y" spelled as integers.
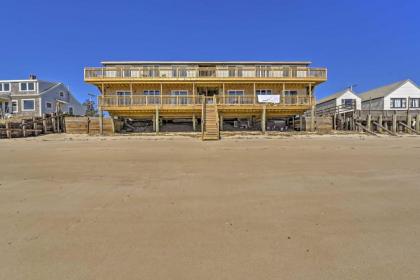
{"x": 269, "y": 98}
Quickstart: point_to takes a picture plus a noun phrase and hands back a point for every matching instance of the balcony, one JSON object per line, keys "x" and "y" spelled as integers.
{"x": 195, "y": 73}
{"x": 138, "y": 101}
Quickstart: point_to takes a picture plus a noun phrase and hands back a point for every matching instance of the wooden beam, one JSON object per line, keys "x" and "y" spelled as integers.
{"x": 409, "y": 128}
{"x": 365, "y": 129}
{"x": 384, "y": 128}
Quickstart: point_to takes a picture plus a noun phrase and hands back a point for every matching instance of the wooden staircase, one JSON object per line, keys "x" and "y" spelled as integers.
{"x": 210, "y": 127}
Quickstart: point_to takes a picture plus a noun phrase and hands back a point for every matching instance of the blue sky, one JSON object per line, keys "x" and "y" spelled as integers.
{"x": 368, "y": 43}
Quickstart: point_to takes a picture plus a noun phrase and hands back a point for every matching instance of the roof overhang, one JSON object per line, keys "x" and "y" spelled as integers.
{"x": 206, "y": 63}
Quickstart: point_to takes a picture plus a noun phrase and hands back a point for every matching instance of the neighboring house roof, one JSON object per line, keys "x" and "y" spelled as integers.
{"x": 53, "y": 86}
{"x": 334, "y": 96}
{"x": 305, "y": 63}
{"x": 383, "y": 91}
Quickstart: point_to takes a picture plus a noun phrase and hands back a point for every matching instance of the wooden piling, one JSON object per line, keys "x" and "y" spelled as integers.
{"x": 101, "y": 122}
{"x": 157, "y": 120}
{"x": 380, "y": 122}
{"x": 221, "y": 122}
{"x": 408, "y": 123}
{"x": 194, "y": 122}
{"x": 263, "y": 119}
{"x": 368, "y": 121}
{"x": 394, "y": 123}
{"x": 313, "y": 118}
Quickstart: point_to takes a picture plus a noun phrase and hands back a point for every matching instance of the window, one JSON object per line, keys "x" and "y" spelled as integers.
{"x": 264, "y": 92}
{"x": 28, "y": 104}
{"x": 347, "y": 102}
{"x": 152, "y": 96}
{"x": 290, "y": 92}
{"x": 70, "y": 110}
{"x": 27, "y": 86}
{"x": 61, "y": 94}
{"x": 123, "y": 97}
{"x": 14, "y": 106}
{"x": 4, "y": 87}
{"x": 414, "y": 102}
{"x": 235, "y": 96}
{"x": 48, "y": 105}
{"x": 398, "y": 103}
{"x": 179, "y": 97}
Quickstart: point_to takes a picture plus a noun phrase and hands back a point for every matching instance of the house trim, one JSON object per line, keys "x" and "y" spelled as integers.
{"x": 28, "y": 110}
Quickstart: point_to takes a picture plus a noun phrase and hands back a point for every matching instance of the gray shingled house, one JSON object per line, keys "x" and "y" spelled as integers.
{"x": 34, "y": 97}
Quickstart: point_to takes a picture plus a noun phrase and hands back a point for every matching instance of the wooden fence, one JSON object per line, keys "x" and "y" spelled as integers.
{"x": 54, "y": 123}
{"x": 88, "y": 125}
{"x": 13, "y": 128}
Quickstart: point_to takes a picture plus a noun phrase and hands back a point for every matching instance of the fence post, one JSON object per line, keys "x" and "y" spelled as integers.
{"x": 8, "y": 130}
{"x": 58, "y": 122}
{"x": 53, "y": 122}
{"x": 44, "y": 123}
{"x": 35, "y": 126}
{"x": 23, "y": 128}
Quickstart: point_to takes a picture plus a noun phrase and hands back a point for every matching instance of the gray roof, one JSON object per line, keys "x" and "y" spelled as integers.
{"x": 334, "y": 96}
{"x": 383, "y": 91}
{"x": 303, "y": 63}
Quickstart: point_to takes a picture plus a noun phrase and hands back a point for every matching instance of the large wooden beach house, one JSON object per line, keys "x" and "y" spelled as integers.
{"x": 208, "y": 94}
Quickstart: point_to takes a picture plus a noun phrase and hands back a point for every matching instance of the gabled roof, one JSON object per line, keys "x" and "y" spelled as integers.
{"x": 384, "y": 91}
{"x": 53, "y": 86}
{"x": 334, "y": 96}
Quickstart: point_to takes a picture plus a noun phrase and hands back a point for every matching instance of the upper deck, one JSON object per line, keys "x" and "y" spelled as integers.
{"x": 115, "y": 72}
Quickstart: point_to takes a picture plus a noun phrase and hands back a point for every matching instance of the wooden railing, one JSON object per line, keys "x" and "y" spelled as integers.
{"x": 145, "y": 100}
{"x": 194, "y": 72}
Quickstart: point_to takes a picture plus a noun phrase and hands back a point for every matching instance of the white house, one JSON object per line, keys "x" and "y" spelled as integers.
{"x": 403, "y": 95}
{"x": 343, "y": 100}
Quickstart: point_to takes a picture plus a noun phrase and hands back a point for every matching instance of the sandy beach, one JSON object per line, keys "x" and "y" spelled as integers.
{"x": 299, "y": 207}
